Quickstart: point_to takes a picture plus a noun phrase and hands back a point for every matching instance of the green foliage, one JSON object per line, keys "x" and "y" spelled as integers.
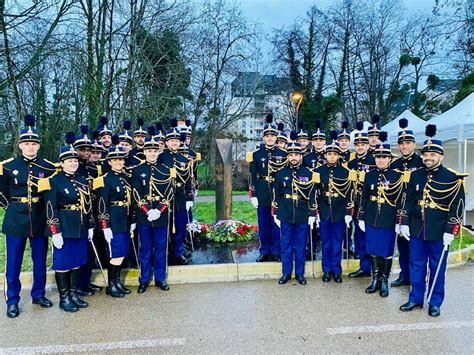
{"x": 432, "y": 81}
{"x": 467, "y": 87}
{"x": 163, "y": 73}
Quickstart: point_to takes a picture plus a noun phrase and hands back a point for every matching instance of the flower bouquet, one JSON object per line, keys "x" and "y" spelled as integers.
{"x": 223, "y": 231}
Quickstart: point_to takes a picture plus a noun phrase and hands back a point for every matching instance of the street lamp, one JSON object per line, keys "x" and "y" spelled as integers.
{"x": 297, "y": 97}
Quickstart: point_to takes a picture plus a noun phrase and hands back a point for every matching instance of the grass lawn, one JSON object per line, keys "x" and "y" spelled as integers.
{"x": 204, "y": 212}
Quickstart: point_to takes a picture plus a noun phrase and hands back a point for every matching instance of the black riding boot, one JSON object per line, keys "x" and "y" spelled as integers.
{"x": 386, "y": 267}
{"x": 112, "y": 288}
{"x": 65, "y": 301}
{"x": 120, "y": 285}
{"x": 375, "y": 265}
{"x": 73, "y": 288}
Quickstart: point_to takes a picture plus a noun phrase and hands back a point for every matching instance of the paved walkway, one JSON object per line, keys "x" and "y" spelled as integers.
{"x": 249, "y": 317}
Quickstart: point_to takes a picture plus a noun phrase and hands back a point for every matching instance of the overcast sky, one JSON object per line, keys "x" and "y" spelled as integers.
{"x": 272, "y": 14}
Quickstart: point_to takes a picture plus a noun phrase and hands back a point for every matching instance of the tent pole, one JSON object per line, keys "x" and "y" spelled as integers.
{"x": 464, "y": 218}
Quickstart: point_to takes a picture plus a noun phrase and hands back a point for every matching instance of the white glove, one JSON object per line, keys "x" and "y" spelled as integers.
{"x": 153, "y": 214}
{"x": 58, "y": 241}
{"x": 311, "y": 221}
{"x": 405, "y": 231}
{"x": 108, "y": 235}
{"x": 397, "y": 229}
{"x": 277, "y": 221}
{"x": 189, "y": 205}
{"x": 90, "y": 233}
{"x": 133, "y": 226}
{"x": 348, "y": 220}
{"x": 447, "y": 239}
{"x": 196, "y": 192}
{"x": 362, "y": 226}
{"x": 318, "y": 219}
{"x": 254, "y": 201}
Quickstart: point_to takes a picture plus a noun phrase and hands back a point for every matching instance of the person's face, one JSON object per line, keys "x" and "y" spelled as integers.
{"x": 173, "y": 144}
{"x": 318, "y": 144}
{"x": 344, "y": 144}
{"x": 382, "y": 161}
{"x": 294, "y": 158}
{"x": 373, "y": 141}
{"x": 126, "y": 146}
{"x": 188, "y": 140}
{"x": 29, "y": 149}
{"x": 70, "y": 165}
{"x": 84, "y": 153}
{"x": 117, "y": 164}
{"x": 95, "y": 156}
{"x": 161, "y": 146}
{"x": 106, "y": 140}
{"x": 139, "y": 140}
{"x": 281, "y": 144}
{"x": 151, "y": 155}
{"x": 332, "y": 157}
{"x": 432, "y": 159}
{"x": 361, "y": 148}
{"x": 303, "y": 142}
{"x": 269, "y": 140}
{"x": 406, "y": 148}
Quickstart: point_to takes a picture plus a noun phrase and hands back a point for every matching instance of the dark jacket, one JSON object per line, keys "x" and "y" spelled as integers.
{"x": 182, "y": 185}
{"x": 382, "y": 196}
{"x": 25, "y": 209}
{"x": 152, "y": 186}
{"x": 334, "y": 192}
{"x": 434, "y": 202}
{"x": 264, "y": 164}
{"x": 68, "y": 206}
{"x": 294, "y": 195}
{"x": 114, "y": 199}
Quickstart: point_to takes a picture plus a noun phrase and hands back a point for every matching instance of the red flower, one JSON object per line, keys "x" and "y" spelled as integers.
{"x": 203, "y": 229}
{"x": 240, "y": 231}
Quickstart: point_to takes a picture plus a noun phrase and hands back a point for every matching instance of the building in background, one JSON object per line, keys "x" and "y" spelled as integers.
{"x": 253, "y": 97}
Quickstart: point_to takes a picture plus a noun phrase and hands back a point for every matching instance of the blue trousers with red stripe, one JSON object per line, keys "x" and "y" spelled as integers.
{"x": 268, "y": 232}
{"x": 180, "y": 222}
{"x": 423, "y": 253}
{"x": 359, "y": 239}
{"x": 332, "y": 235}
{"x": 152, "y": 245}
{"x": 15, "y": 249}
{"x": 404, "y": 258}
{"x": 293, "y": 242}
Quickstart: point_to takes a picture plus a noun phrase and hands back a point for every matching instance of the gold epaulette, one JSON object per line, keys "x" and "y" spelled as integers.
{"x": 173, "y": 173}
{"x": 352, "y": 156}
{"x": 345, "y": 165}
{"x": 249, "y": 157}
{"x": 406, "y": 176}
{"x": 352, "y": 175}
{"x": 44, "y": 185}
{"x": 316, "y": 178}
{"x": 99, "y": 169}
{"x": 4, "y": 162}
{"x": 98, "y": 183}
{"x": 362, "y": 176}
{"x": 198, "y": 156}
{"x": 458, "y": 174}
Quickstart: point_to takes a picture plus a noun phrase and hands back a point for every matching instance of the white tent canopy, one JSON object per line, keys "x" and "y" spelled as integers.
{"x": 415, "y": 123}
{"x": 455, "y": 124}
{"x": 455, "y": 128}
